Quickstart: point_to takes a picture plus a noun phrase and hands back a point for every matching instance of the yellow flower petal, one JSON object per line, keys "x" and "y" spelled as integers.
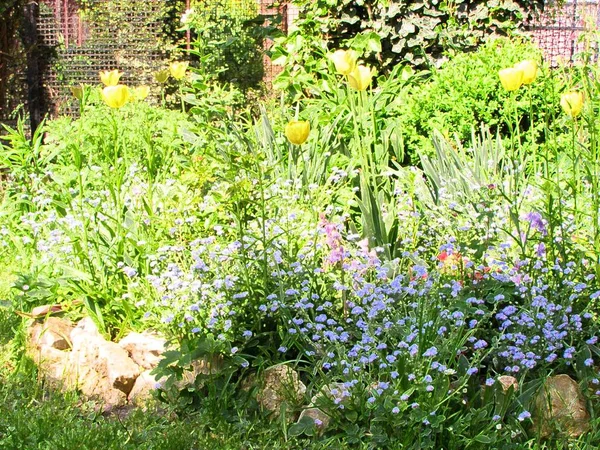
{"x": 572, "y": 103}
{"x": 115, "y": 96}
{"x": 178, "y": 69}
{"x": 344, "y": 61}
{"x": 77, "y": 91}
{"x": 511, "y": 78}
{"x": 110, "y": 78}
{"x": 360, "y": 78}
{"x": 529, "y": 68}
{"x": 161, "y": 76}
{"x": 141, "y": 92}
{"x": 297, "y": 131}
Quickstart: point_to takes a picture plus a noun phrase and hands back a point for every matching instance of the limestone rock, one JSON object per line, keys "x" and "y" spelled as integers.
{"x": 560, "y": 406}
{"x": 85, "y": 326}
{"x": 280, "y": 384}
{"x": 53, "y": 333}
{"x": 141, "y": 393}
{"x": 145, "y": 349}
{"x": 95, "y": 386}
{"x": 106, "y": 358}
{"x": 320, "y": 419}
{"x": 507, "y": 381}
{"x": 332, "y": 392}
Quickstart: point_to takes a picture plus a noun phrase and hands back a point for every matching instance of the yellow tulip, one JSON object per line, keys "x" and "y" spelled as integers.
{"x": 161, "y": 76}
{"x": 511, "y": 78}
{"x": 344, "y": 61}
{"x": 572, "y": 103}
{"x": 529, "y": 68}
{"x": 178, "y": 69}
{"x": 297, "y": 131}
{"x": 141, "y": 92}
{"x": 110, "y": 78}
{"x": 77, "y": 92}
{"x": 115, "y": 96}
{"x": 360, "y": 78}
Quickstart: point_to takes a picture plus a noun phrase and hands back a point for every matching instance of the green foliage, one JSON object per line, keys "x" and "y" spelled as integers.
{"x": 465, "y": 92}
{"x": 227, "y": 39}
{"x": 418, "y": 33}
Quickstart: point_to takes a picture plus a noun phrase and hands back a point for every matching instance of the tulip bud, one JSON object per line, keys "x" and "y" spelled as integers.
{"x": 360, "y": 78}
{"x": 161, "y": 76}
{"x": 115, "y": 96}
{"x": 572, "y": 103}
{"x": 110, "y": 78}
{"x": 178, "y": 69}
{"x": 344, "y": 61}
{"x": 529, "y": 68}
{"x": 511, "y": 78}
{"x": 141, "y": 92}
{"x": 77, "y": 92}
{"x": 297, "y": 131}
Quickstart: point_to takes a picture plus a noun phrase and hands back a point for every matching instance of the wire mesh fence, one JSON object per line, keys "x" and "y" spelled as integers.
{"x": 136, "y": 36}
{"x": 560, "y": 29}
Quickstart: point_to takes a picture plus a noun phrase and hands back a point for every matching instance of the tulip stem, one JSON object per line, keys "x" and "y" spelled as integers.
{"x": 181, "y": 97}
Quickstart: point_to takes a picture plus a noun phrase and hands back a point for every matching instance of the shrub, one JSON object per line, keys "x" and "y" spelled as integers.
{"x": 465, "y": 93}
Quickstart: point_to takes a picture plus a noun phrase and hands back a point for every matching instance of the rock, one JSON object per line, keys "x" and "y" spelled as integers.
{"x": 145, "y": 349}
{"x": 332, "y": 392}
{"x": 86, "y": 326}
{"x": 320, "y": 419}
{"x": 95, "y": 386}
{"x": 106, "y": 358}
{"x": 53, "y": 333}
{"x": 55, "y": 367}
{"x": 507, "y": 381}
{"x": 102, "y": 369}
{"x": 280, "y": 385}
{"x": 141, "y": 393}
{"x": 560, "y": 406}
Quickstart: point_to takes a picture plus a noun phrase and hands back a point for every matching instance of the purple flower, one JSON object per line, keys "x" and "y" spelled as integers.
{"x": 430, "y": 352}
{"x": 480, "y": 344}
{"x": 524, "y": 415}
{"x": 589, "y": 362}
{"x": 395, "y": 410}
{"x": 537, "y": 222}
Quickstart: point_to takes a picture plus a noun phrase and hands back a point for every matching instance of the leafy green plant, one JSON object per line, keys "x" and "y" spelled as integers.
{"x": 419, "y": 34}
{"x": 465, "y": 93}
{"x": 227, "y": 40}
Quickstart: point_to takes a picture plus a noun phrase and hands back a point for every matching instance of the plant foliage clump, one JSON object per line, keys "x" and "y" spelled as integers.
{"x": 415, "y": 31}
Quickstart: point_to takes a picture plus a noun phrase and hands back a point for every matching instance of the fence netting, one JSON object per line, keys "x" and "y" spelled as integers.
{"x": 78, "y": 38}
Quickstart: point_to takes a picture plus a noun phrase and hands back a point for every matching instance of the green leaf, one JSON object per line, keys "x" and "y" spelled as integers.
{"x": 484, "y": 439}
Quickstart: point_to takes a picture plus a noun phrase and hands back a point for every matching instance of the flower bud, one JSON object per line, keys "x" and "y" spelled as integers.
{"x": 297, "y": 131}
{"x": 115, "y": 96}
{"x": 344, "y": 61}
{"x": 360, "y": 78}
{"x": 511, "y": 78}
{"x": 572, "y": 103}
{"x": 110, "y": 78}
